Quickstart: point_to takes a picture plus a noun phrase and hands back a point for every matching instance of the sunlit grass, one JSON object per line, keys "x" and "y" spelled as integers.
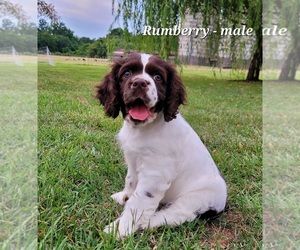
{"x": 281, "y": 165}
{"x": 18, "y": 162}
{"x": 80, "y": 165}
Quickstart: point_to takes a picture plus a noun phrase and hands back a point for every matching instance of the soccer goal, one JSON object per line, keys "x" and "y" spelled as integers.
{"x": 45, "y": 55}
{"x": 9, "y": 54}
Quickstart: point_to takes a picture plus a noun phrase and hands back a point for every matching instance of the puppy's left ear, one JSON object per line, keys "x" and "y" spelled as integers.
{"x": 108, "y": 91}
{"x": 176, "y": 94}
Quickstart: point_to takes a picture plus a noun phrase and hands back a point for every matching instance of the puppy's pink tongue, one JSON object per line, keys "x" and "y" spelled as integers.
{"x": 140, "y": 112}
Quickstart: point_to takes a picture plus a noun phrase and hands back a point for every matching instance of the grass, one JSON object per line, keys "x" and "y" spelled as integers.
{"x": 281, "y": 165}
{"x": 18, "y": 165}
{"x": 80, "y": 165}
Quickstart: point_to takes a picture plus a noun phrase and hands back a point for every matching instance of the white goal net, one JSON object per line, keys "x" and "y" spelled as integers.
{"x": 9, "y": 54}
{"x": 45, "y": 55}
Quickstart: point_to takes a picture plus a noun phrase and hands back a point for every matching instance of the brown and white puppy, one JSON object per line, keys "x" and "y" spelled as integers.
{"x": 168, "y": 165}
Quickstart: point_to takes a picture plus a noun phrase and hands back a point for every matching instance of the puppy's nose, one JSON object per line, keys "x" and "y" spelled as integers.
{"x": 140, "y": 83}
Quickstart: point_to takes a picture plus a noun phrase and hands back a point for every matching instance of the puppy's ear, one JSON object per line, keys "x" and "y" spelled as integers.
{"x": 176, "y": 94}
{"x": 108, "y": 91}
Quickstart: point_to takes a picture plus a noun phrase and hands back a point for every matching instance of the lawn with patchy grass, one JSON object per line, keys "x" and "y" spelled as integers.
{"x": 18, "y": 165}
{"x": 80, "y": 165}
{"x": 281, "y": 165}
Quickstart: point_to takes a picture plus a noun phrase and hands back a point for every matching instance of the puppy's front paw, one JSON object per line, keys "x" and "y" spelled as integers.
{"x": 120, "y": 197}
{"x": 125, "y": 227}
{"x": 112, "y": 227}
{"x": 119, "y": 228}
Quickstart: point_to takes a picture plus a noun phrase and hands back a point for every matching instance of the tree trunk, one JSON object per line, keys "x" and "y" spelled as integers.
{"x": 289, "y": 68}
{"x": 256, "y": 63}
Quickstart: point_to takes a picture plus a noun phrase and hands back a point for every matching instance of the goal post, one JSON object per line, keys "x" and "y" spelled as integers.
{"x": 8, "y": 54}
{"x": 45, "y": 55}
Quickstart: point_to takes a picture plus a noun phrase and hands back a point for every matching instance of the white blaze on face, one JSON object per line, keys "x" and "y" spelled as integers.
{"x": 152, "y": 92}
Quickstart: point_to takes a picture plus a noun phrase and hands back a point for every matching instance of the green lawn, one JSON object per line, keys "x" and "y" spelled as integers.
{"x": 281, "y": 165}
{"x": 80, "y": 165}
{"x": 18, "y": 165}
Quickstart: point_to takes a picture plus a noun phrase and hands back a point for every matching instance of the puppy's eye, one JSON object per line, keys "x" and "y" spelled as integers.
{"x": 157, "y": 77}
{"x": 127, "y": 73}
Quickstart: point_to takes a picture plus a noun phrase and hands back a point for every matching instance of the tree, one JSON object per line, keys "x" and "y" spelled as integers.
{"x": 48, "y": 11}
{"x": 7, "y": 25}
{"x": 52, "y": 32}
{"x": 98, "y": 48}
{"x": 15, "y": 28}
{"x": 165, "y": 14}
{"x": 289, "y": 12}
{"x": 43, "y": 25}
{"x": 12, "y": 10}
{"x": 254, "y": 20}
{"x": 85, "y": 40}
{"x": 57, "y": 37}
{"x": 116, "y": 39}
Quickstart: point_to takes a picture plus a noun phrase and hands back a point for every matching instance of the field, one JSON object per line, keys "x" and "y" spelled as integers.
{"x": 80, "y": 165}
{"x": 281, "y": 171}
{"x": 18, "y": 165}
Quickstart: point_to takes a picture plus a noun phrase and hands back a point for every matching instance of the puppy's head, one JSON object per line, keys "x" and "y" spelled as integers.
{"x": 141, "y": 86}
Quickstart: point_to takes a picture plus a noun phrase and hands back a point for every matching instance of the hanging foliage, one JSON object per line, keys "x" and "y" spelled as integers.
{"x": 13, "y": 10}
{"x": 289, "y": 12}
{"x": 137, "y": 14}
{"x": 47, "y": 10}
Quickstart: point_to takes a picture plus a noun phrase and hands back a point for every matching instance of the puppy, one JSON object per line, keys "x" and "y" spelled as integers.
{"x": 171, "y": 176}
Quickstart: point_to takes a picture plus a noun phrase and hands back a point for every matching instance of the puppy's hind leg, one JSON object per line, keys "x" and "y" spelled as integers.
{"x": 186, "y": 208}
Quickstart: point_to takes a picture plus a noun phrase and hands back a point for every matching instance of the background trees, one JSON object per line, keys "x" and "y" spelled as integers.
{"x": 57, "y": 37}
{"x": 61, "y": 40}
{"x": 15, "y": 29}
{"x": 52, "y": 32}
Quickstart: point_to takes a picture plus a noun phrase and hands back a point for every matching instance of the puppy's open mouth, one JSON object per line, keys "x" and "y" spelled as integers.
{"x": 139, "y": 111}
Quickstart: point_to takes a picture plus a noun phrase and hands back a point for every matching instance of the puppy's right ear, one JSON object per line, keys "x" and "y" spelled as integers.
{"x": 108, "y": 91}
